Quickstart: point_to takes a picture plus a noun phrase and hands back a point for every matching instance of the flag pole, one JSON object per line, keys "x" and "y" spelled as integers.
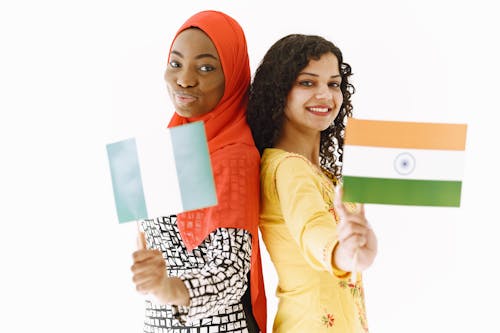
{"x": 354, "y": 272}
{"x": 141, "y": 241}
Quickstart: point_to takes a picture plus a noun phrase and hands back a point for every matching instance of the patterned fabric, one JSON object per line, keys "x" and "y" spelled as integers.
{"x": 299, "y": 228}
{"x": 215, "y": 274}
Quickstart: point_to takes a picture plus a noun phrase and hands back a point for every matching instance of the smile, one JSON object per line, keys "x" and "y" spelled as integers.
{"x": 322, "y": 110}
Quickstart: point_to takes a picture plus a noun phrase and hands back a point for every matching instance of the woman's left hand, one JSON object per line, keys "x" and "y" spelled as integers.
{"x": 354, "y": 234}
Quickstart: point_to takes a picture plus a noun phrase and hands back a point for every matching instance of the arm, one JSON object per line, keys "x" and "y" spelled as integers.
{"x": 306, "y": 212}
{"x": 325, "y": 244}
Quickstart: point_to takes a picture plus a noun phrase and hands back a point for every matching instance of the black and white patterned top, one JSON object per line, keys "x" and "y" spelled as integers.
{"x": 215, "y": 274}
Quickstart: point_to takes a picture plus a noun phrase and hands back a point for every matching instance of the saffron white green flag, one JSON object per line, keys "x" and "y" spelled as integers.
{"x": 403, "y": 163}
{"x": 162, "y": 173}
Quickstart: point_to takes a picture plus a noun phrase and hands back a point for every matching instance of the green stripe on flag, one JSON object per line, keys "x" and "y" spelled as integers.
{"x": 126, "y": 179}
{"x": 402, "y": 191}
{"x": 192, "y": 162}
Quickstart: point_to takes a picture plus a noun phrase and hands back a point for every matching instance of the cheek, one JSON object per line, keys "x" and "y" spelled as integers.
{"x": 338, "y": 98}
{"x": 217, "y": 91}
{"x": 168, "y": 77}
{"x": 297, "y": 97}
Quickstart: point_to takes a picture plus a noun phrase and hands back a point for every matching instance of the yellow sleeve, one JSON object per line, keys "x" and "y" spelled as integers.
{"x": 305, "y": 212}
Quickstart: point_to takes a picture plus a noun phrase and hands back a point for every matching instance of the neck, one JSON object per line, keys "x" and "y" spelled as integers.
{"x": 299, "y": 142}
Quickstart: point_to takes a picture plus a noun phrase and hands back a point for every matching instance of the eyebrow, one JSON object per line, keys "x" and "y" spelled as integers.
{"x": 316, "y": 75}
{"x": 199, "y": 56}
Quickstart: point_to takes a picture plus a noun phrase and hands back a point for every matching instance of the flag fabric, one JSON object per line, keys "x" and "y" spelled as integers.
{"x": 126, "y": 179}
{"x": 162, "y": 173}
{"x": 403, "y": 163}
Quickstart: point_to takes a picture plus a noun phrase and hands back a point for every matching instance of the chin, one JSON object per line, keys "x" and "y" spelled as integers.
{"x": 184, "y": 113}
{"x": 322, "y": 128}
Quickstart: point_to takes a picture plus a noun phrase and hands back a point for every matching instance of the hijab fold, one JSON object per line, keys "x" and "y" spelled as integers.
{"x": 234, "y": 157}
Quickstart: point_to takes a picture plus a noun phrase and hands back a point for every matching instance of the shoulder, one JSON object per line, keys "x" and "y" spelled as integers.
{"x": 238, "y": 152}
{"x": 279, "y": 161}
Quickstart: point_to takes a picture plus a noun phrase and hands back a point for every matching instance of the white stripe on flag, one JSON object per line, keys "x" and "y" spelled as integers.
{"x": 380, "y": 162}
{"x": 159, "y": 176}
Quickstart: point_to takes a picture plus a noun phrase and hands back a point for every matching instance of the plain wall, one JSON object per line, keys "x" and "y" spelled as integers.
{"x": 77, "y": 75}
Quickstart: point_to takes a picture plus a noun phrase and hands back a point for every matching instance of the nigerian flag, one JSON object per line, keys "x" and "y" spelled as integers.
{"x": 162, "y": 173}
{"x": 403, "y": 163}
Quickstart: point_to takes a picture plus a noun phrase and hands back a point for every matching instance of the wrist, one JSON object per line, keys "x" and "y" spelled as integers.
{"x": 172, "y": 291}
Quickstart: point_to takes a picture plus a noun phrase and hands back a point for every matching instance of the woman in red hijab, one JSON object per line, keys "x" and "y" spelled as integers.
{"x": 203, "y": 267}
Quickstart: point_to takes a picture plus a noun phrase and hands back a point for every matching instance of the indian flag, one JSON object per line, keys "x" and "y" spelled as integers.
{"x": 161, "y": 173}
{"x": 403, "y": 163}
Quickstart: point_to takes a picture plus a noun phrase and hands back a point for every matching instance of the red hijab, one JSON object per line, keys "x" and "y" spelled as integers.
{"x": 226, "y": 126}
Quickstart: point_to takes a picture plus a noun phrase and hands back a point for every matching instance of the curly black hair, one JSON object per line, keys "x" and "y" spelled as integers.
{"x": 274, "y": 79}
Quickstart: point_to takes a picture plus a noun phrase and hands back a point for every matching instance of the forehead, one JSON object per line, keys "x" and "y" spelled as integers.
{"x": 192, "y": 42}
{"x": 327, "y": 64}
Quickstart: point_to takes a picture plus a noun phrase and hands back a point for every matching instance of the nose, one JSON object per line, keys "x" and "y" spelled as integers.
{"x": 186, "y": 78}
{"x": 324, "y": 92}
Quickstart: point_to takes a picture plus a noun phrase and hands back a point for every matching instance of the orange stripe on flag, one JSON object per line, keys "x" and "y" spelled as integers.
{"x": 399, "y": 134}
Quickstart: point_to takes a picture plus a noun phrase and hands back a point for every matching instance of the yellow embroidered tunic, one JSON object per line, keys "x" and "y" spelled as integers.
{"x": 298, "y": 227}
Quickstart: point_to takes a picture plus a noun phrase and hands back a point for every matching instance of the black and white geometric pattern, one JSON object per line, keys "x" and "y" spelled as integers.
{"x": 215, "y": 274}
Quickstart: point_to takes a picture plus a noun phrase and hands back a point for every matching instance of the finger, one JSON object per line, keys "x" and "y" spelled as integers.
{"x": 361, "y": 209}
{"x": 355, "y": 219}
{"x": 144, "y": 255}
{"x": 350, "y": 230}
{"x": 350, "y": 220}
{"x": 144, "y": 287}
{"x": 147, "y": 275}
{"x": 337, "y": 202}
{"x": 356, "y": 209}
{"x": 149, "y": 286}
{"x": 149, "y": 280}
{"x": 141, "y": 241}
{"x": 353, "y": 241}
{"x": 148, "y": 268}
{"x": 152, "y": 259}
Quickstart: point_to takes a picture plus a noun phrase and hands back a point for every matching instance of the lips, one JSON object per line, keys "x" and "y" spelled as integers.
{"x": 321, "y": 110}
{"x": 183, "y": 98}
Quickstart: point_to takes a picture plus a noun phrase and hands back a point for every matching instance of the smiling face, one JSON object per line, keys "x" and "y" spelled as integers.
{"x": 315, "y": 98}
{"x": 194, "y": 76}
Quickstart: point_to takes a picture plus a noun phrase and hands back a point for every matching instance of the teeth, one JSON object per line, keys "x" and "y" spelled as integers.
{"x": 319, "y": 109}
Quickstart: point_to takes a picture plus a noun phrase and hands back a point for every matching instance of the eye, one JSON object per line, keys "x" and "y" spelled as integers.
{"x": 305, "y": 83}
{"x": 334, "y": 84}
{"x": 207, "y": 68}
{"x": 174, "y": 64}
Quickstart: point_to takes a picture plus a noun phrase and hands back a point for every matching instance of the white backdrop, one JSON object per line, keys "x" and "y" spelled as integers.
{"x": 76, "y": 75}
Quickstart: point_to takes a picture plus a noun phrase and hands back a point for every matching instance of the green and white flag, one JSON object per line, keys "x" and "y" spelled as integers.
{"x": 162, "y": 173}
{"x": 403, "y": 163}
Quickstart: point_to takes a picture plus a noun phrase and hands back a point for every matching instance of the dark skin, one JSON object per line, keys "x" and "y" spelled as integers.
{"x": 195, "y": 82}
{"x": 150, "y": 276}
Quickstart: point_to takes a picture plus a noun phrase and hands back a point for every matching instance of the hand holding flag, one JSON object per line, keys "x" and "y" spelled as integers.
{"x": 149, "y": 268}
{"x": 357, "y": 245}
{"x": 151, "y": 278}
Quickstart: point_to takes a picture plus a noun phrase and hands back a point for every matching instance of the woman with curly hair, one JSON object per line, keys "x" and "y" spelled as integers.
{"x": 299, "y": 103}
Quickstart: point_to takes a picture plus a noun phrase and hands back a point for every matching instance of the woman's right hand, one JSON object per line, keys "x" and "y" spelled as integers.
{"x": 149, "y": 268}
{"x": 150, "y": 276}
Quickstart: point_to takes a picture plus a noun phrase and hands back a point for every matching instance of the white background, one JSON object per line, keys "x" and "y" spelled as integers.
{"x": 76, "y": 75}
